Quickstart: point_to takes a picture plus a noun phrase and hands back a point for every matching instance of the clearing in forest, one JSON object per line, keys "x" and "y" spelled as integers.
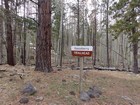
{"x": 62, "y": 87}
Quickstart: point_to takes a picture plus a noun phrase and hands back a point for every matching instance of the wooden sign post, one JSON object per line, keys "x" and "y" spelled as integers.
{"x": 81, "y": 51}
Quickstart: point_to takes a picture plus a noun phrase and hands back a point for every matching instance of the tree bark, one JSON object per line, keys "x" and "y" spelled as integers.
{"x": 78, "y": 30}
{"x": 1, "y": 35}
{"x": 10, "y": 50}
{"x": 15, "y": 32}
{"x": 135, "y": 46}
{"x": 94, "y": 38}
{"x": 61, "y": 37}
{"x": 135, "y": 55}
{"x": 43, "y": 47}
{"x": 24, "y": 37}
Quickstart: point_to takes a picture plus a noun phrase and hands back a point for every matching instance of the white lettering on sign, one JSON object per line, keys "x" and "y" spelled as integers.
{"x": 81, "y": 48}
{"x": 84, "y": 53}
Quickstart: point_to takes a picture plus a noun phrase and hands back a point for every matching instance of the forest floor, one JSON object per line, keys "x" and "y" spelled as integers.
{"x": 118, "y": 88}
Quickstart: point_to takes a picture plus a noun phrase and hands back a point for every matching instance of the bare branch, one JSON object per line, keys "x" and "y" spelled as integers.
{"x": 33, "y": 20}
{"x": 34, "y": 2}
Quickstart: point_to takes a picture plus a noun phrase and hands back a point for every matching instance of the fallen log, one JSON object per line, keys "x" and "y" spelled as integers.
{"x": 84, "y": 68}
{"x": 104, "y": 68}
{"x": 110, "y": 68}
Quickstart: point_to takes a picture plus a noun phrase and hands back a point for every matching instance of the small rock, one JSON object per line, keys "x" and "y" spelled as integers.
{"x": 94, "y": 92}
{"x": 90, "y": 92}
{"x": 1, "y": 90}
{"x": 38, "y": 99}
{"x": 11, "y": 79}
{"x": 77, "y": 68}
{"x": 72, "y": 93}
{"x": 84, "y": 96}
{"x": 59, "y": 69}
{"x": 29, "y": 89}
{"x": 63, "y": 80}
{"x": 38, "y": 80}
{"x": 13, "y": 74}
{"x": 75, "y": 76}
{"x": 24, "y": 100}
{"x": 72, "y": 67}
{"x": 1, "y": 76}
{"x": 67, "y": 97}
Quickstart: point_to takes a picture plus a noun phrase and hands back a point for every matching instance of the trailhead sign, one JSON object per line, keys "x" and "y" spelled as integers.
{"x": 82, "y": 51}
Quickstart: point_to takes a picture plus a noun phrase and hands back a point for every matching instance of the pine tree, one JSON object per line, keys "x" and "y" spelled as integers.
{"x": 43, "y": 44}
{"x": 126, "y": 14}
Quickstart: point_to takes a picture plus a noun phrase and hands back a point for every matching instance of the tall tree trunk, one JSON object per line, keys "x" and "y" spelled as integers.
{"x": 43, "y": 44}
{"x": 24, "y": 37}
{"x": 135, "y": 46}
{"x": 61, "y": 35}
{"x": 62, "y": 44}
{"x": 107, "y": 39}
{"x": 135, "y": 54}
{"x": 15, "y": 32}
{"x": 78, "y": 30}
{"x": 1, "y": 35}
{"x": 20, "y": 43}
{"x": 83, "y": 29}
{"x": 122, "y": 51}
{"x": 94, "y": 34}
{"x": 94, "y": 37}
{"x": 10, "y": 51}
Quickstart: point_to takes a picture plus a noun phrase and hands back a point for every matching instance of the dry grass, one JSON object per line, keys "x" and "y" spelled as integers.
{"x": 55, "y": 87}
